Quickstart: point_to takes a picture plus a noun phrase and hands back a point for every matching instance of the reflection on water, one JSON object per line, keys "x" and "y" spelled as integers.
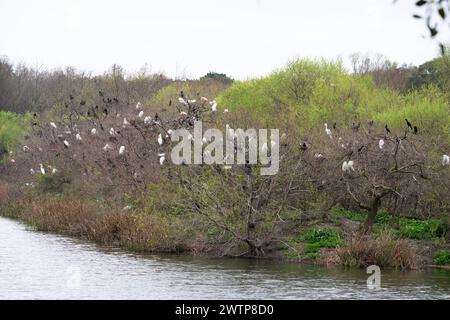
{"x": 36, "y": 265}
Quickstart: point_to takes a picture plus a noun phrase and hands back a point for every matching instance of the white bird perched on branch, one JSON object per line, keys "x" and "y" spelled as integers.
{"x": 147, "y": 120}
{"x": 78, "y": 137}
{"x": 126, "y": 208}
{"x": 192, "y": 101}
{"x": 112, "y": 132}
{"x": 318, "y": 155}
{"x": 25, "y": 148}
{"x": 182, "y": 101}
{"x": 125, "y": 122}
{"x": 54, "y": 170}
{"x": 53, "y": 125}
{"x": 445, "y": 160}
{"x": 381, "y": 143}
{"x": 41, "y": 167}
{"x": 13, "y": 161}
{"x": 161, "y": 158}
{"x": 347, "y": 166}
{"x": 66, "y": 143}
{"x": 225, "y": 110}
{"x": 138, "y": 106}
{"x": 204, "y": 99}
{"x": 328, "y": 131}
{"x": 32, "y": 171}
{"x": 141, "y": 114}
{"x": 160, "y": 139}
{"x": 94, "y": 131}
{"x": 122, "y": 150}
{"x": 106, "y": 147}
{"x": 213, "y": 105}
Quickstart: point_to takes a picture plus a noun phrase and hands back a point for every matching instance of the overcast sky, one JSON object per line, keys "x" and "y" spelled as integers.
{"x": 242, "y": 38}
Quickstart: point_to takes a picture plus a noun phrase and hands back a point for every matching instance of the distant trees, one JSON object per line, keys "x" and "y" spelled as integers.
{"x": 217, "y": 76}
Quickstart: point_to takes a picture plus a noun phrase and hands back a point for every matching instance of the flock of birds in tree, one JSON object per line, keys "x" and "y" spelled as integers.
{"x": 347, "y": 166}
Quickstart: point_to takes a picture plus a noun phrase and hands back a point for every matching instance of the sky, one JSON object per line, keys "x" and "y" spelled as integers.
{"x": 242, "y": 38}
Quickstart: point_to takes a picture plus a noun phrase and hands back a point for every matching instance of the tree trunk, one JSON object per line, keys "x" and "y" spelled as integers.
{"x": 372, "y": 214}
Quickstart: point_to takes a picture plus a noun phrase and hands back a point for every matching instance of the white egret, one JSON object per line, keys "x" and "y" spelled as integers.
{"x": 182, "y": 101}
{"x": 318, "y": 155}
{"x": 213, "y": 105}
{"x": 138, "y": 106}
{"x": 112, "y": 132}
{"x": 161, "y": 158}
{"x": 53, "y": 125}
{"x": 126, "y": 208}
{"x": 25, "y": 148}
{"x": 381, "y": 143}
{"x": 106, "y": 147}
{"x": 78, "y": 137}
{"x": 122, "y": 150}
{"x": 32, "y": 171}
{"x": 41, "y": 167}
{"x": 225, "y": 110}
{"x": 141, "y": 114}
{"x": 94, "y": 131}
{"x": 445, "y": 160}
{"x": 125, "y": 122}
{"x": 192, "y": 101}
{"x": 147, "y": 120}
{"x": 160, "y": 139}
{"x": 204, "y": 99}
{"x": 13, "y": 161}
{"x": 328, "y": 131}
{"x": 54, "y": 170}
{"x": 66, "y": 143}
{"x": 344, "y": 166}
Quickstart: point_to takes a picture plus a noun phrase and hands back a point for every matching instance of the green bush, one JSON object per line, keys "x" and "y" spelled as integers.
{"x": 422, "y": 230}
{"x": 318, "y": 238}
{"x": 442, "y": 257}
{"x": 12, "y": 130}
{"x": 348, "y": 214}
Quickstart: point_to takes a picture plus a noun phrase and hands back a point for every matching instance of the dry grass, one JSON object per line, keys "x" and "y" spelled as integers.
{"x": 384, "y": 251}
{"x": 86, "y": 220}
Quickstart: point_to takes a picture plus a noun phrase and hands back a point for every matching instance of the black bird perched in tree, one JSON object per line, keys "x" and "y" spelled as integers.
{"x": 105, "y": 111}
{"x": 35, "y": 115}
{"x": 70, "y": 97}
{"x": 387, "y": 129}
{"x": 416, "y": 130}
{"x": 170, "y": 102}
{"x": 82, "y": 102}
{"x": 182, "y": 94}
{"x": 116, "y": 100}
{"x": 334, "y": 126}
{"x": 408, "y": 124}
{"x": 100, "y": 93}
{"x": 303, "y": 146}
{"x": 360, "y": 148}
{"x": 156, "y": 116}
{"x": 355, "y": 126}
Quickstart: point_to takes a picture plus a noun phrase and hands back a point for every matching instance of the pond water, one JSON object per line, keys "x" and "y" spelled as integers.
{"x": 36, "y": 265}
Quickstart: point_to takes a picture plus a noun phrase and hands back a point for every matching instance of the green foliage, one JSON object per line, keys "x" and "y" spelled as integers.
{"x": 442, "y": 257}
{"x": 314, "y": 92}
{"x": 217, "y": 76}
{"x": 347, "y": 214}
{"x": 51, "y": 183}
{"x": 12, "y": 130}
{"x": 318, "y": 238}
{"x": 423, "y": 230}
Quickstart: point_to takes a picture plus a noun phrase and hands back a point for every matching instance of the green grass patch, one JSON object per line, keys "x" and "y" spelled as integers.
{"x": 442, "y": 257}
{"x": 318, "y": 238}
{"x": 421, "y": 229}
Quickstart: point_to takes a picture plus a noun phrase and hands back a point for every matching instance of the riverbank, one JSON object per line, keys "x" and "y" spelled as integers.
{"x": 330, "y": 241}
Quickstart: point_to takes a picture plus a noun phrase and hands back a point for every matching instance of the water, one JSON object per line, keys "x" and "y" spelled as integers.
{"x": 35, "y": 265}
